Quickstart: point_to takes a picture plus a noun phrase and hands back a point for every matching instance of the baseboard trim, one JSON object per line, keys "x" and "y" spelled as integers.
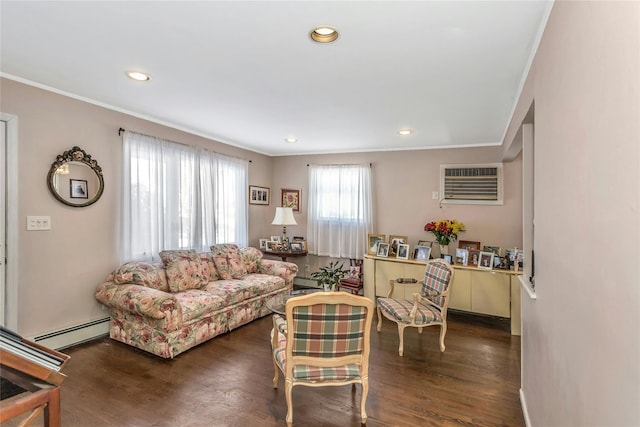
{"x": 74, "y": 335}
{"x": 525, "y": 412}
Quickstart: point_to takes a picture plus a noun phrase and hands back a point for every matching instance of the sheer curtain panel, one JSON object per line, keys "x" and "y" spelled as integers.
{"x": 179, "y": 197}
{"x": 340, "y": 210}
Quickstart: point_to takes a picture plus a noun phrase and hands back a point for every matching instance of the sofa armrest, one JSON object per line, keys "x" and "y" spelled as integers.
{"x": 137, "y": 299}
{"x": 286, "y": 270}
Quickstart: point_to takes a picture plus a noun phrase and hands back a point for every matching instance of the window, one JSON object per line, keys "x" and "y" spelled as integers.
{"x": 340, "y": 212}
{"x": 471, "y": 184}
{"x": 179, "y": 197}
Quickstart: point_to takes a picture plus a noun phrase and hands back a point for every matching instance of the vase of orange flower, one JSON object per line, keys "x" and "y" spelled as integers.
{"x": 445, "y": 231}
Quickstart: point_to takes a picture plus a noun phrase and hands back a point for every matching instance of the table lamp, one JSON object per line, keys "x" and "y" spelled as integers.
{"x": 284, "y": 217}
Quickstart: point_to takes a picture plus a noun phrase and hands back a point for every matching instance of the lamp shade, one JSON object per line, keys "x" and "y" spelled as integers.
{"x": 284, "y": 216}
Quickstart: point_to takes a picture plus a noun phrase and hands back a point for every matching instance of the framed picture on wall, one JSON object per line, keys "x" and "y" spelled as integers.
{"x": 78, "y": 189}
{"x": 258, "y": 195}
{"x": 290, "y": 199}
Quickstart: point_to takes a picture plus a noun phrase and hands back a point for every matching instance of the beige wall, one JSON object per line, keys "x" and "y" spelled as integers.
{"x": 59, "y": 269}
{"x": 403, "y": 182}
{"x": 580, "y": 336}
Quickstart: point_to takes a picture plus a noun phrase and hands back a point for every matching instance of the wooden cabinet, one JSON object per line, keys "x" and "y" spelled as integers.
{"x": 490, "y": 292}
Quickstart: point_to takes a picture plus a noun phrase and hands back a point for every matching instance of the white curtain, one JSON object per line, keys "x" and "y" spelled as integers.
{"x": 179, "y": 197}
{"x": 340, "y": 210}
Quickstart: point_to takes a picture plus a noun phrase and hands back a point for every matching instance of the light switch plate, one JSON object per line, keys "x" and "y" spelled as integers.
{"x": 38, "y": 223}
{"x": 434, "y": 195}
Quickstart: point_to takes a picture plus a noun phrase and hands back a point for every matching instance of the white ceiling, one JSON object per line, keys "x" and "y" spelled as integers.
{"x": 247, "y": 74}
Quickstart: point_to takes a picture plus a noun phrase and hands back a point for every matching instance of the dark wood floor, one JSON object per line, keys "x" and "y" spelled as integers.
{"x": 227, "y": 382}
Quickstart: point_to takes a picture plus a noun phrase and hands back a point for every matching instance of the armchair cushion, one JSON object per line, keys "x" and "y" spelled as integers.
{"x": 401, "y": 311}
{"x": 183, "y": 270}
{"x": 226, "y": 257}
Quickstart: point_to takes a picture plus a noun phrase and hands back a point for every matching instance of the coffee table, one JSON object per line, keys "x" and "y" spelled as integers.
{"x": 277, "y": 303}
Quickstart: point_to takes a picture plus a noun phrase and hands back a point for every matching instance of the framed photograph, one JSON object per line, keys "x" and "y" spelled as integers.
{"x": 503, "y": 262}
{"x": 394, "y": 241}
{"x": 494, "y": 249}
{"x": 259, "y": 195}
{"x": 78, "y": 189}
{"x": 372, "y": 242}
{"x": 296, "y": 247}
{"x": 447, "y": 257}
{"x": 462, "y": 256}
{"x": 424, "y": 243}
{"x": 290, "y": 199}
{"x": 403, "y": 251}
{"x": 383, "y": 250}
{"x": 486, "y": 260}
{"x": 468, "y": 244}
{"x": 276, "y": 239}
{"x": 272, "y": 245}
{"x": 422, "y": 253}
{"x": 263, "y": 244}
{"x": 474, "y": 257}
{"x": 496, "y": 261}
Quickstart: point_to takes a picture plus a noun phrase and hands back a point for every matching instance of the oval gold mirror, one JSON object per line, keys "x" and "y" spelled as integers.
{"x": 75, "y": 178}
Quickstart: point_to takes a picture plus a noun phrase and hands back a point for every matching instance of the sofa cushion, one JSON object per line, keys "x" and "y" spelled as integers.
{"x": 226, "y": 257}
{"x": 250, "y": 257}
{"x": 183, "y": 270}
{"x": 208, "y": 267}
{"x": 196, "y": 303}
{"x": 252, "y": 285}
{"x": 147, "y": 274}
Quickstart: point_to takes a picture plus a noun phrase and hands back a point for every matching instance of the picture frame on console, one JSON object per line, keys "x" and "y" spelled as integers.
{"x": 494, "y": 249}
{"x": 372, "y": 242}
{"x": 474, "y": 257}
{"x": 422, "y": 253}
{"x": 485, "y": 262}
{"x": 447, "y": 257}
{"x": 403, "y": 251}
{"x": 469, "y": 244}
{"x": 263, "y": 244}
{"x": 462, "y": 256}
{"x": 296, "y": 247}
{"x": 383, "y": 250}
{"x": 394, "y": 241}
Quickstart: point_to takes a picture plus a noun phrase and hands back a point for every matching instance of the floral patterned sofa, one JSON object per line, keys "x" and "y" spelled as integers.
{"x": 168, "y": 307}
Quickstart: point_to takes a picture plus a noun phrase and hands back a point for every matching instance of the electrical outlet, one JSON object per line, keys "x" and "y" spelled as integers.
{"x": 38, "y": 223}
{"x": 434, "y": 195}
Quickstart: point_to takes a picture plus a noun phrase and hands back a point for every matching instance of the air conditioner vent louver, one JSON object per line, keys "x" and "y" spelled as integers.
{"x": 472, "y": 183}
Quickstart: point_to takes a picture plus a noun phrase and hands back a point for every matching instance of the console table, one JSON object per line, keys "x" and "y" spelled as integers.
{"x": 284, "y": 254}
{"x": 473, "y": 290}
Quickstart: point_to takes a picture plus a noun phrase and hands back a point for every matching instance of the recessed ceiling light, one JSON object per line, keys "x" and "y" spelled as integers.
{"x": 324, "y": 34}
{"x": 291, "y": 140}
{"x": 405, "y": 132}
{"x": 138, "y": 76}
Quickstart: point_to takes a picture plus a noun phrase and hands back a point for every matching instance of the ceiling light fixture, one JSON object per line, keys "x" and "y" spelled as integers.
{"x": 324, "y": 34}
{"x": 290, "y": 140}
{"x": 405, "y": 132}
{"x": 138, "y": 76}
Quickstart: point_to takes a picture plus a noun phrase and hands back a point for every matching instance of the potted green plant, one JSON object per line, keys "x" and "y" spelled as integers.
{"x": 330, "y": 275}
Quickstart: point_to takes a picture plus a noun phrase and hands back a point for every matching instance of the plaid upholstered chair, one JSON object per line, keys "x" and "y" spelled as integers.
{"x": 428, "y": 308}
{"x": 324, "y": 341}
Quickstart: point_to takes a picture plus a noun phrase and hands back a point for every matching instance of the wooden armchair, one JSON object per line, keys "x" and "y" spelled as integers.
{"x": 324, "y": 341}
{"x": 428, "y": 308}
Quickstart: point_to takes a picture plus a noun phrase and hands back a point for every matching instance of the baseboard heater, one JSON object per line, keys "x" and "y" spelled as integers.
{"x": 74, "y": 334}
